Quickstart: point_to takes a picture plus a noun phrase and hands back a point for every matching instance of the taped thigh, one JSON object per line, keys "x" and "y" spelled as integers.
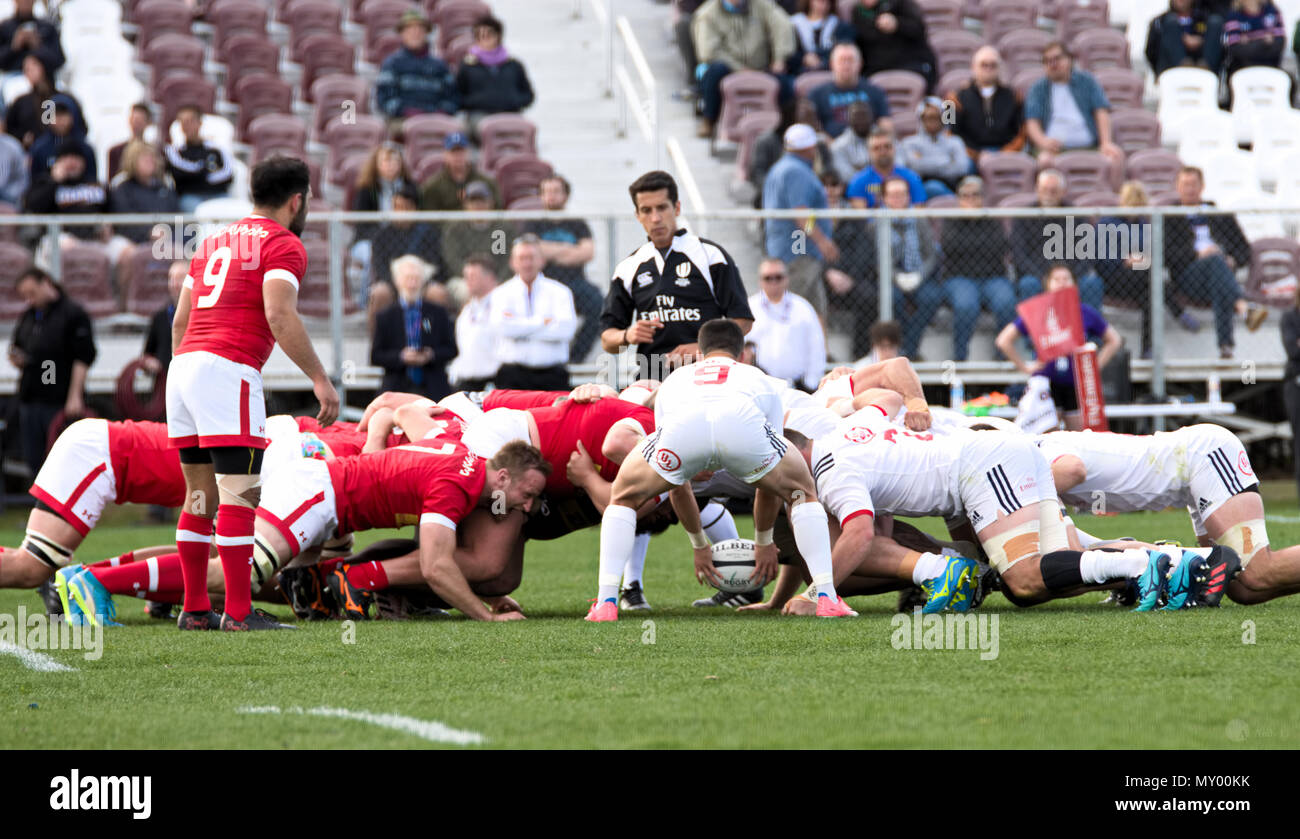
{"x": 1246, "y": 538}
{"x": 1012, "y": 546}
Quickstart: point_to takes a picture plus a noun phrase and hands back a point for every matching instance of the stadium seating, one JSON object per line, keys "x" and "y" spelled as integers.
{"x": 940, "y": 14}
{"x": 519, "y": 175}
{"x": 325, "y": 55}
{"x": 1208, "y": 132}
{"x": 954, "y": 48}
{"x": 345, "y": 137}
{"x": 743, "y": 92}
{"x": 1277, "y": 136}
{"x": 1257, "y": 88}
{"x": 85, "y": 277}
{"x": 1274, "y": 265}
{"x": 424, "y": 134}
{"x": 260, "y": 94}
{"x": 1099, "y": 49}
{"x": 953, "y": 81}
{"x": 1003, "y": 16}
{"x": 173, "y": 54}
{"x": 505, "y": 134}
{"x": 1123, "y": 87}
{"x": 176, "y": 92}
{"x": 1085, "y": 171}
{"x": 250, "y": 54}
{"x": 1134, "y": 129}
{"x": 277, "y": 133}
{"x": 14, "y": 259}
{"x": 235, "y": 17}
{"x": 752, "y": 127}
{"x": 1005, "y": 173}
{"x": 1073, "y": 18}
{"x": 158, "y": 17}
{"x": 425, "y": 167}
{"x": 142, "y": 279}
{"x": 454, "y": 19}
{"x": 806, "y": 83}
{"x": 1022, "y": 49}
{"x": 329, "y": 93}
{"x": 1156, "y": 169}
{"x": 903, "y": 88}
{"x": 1229, "y": 171}
{"x": 1183, "y": 90}
{"x": 1097, "y": 198}
{"x": 380, "y": 19}
{"x": 311, "y": 17}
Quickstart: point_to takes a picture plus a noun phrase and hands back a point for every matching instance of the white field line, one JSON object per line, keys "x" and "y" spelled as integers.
{"x": 431, "y": 730}
{"x": 33, "y": 660}
{"x": 1283, "y": 519}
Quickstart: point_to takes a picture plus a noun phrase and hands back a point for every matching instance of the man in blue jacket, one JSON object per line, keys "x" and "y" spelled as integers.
{"x": 411, "y": 80}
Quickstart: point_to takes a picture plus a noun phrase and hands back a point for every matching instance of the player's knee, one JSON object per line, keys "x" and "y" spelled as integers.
{"x": 239, "y": 490}
{"x": 1022, "y": 587}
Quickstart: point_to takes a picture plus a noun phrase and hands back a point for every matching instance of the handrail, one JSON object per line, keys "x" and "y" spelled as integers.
{"x": 644, "y": 109}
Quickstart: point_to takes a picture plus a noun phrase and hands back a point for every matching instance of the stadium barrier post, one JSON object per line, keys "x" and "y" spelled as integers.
{"x": 336, "y": 306}
{"x": 54, "y": 231}
{"x": 885, "y": 264}
{"x": 1157, "y": 246}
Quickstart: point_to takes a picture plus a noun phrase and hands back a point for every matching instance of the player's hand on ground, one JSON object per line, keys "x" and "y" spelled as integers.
{"x": 800, "y": 607}
{"x": 765, "y": 606}
{"x": 918, "y": 416}
{"x": 765, "y": 564}
{"x": 329, "y": 401}
{"x": 502, "y": 604}
{"x": 580, "y": 467}
{"x": 507, "y": 616}
{"x": 643, "y": 331}
{"x": 704, "y": 570}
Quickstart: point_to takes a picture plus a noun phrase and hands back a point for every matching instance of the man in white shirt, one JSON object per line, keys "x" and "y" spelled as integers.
{"x": 787, "y": 335}
{"x": 476, "y": 365}
{"x": 534, "y": 320}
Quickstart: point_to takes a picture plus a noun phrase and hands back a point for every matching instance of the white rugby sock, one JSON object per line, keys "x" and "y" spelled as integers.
{"x": 1097, "y": 567}
{"x": 813, "y": 538}
{"x": 719, "y": 526}
{"x": 636, "y": 562}
{"x": 617, "y": 536}
{"x": 928, "y": 567}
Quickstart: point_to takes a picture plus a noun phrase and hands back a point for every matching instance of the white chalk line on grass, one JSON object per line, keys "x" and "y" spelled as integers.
{"x": 33, "y": 660}
{"x": 1284, "y": 519}
{"x": 431, "y": 730}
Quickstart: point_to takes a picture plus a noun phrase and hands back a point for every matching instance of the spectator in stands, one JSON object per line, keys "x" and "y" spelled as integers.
{"x": 446, "y": 189}
{"x": 817, "y": 29}
{"x": 1188, "y": 35}
{"x": 567, "y": 246}
{"x": 53, "y": 347}
{"x": 13, "y": 168}
{"x": 25, "y": 34}
{"x": 833, "y": 99}
{"x": 62, "y": 132}
{"x": 534, "y": 319}
{"x": 891, "y": 36}
{"x": 733, "y": 35}
{"x": 380, "y": 179}
{"x": 804, "y": 246}
{"x": 490, "y": 81}
{"x": 852, "y": 281}
{"x": 1031, "y": 236}
{"x": 865, "y": 187}
{"x": 476, "y": 365}
{"x": 1291, "y": 378}
{"x": 141, "y": 187}
{"x": 886, "y": 341}
{"x": 849, "y": 153}
{"x": 1060, "y": 371}
{"x": 413, "y": 339}
{"x": 1254, "y": 35}
{"x": 26, "y": 118}
{"x": 769, "y": 148}
{"x": 918, "y": 290}
{"x": 67, "y": 189}
{"x": 989, "y": 116}
{"x": 682, "y": 21}
{"x": 1067, "y": 109}
{"x": 462, "y": 239}
{"x": 394, "y": 240}
{"x": 1202, "y": 252}
{"x": 158, "y": 340}
{"x": 413, "y": 80}
{"x": 975, "y": 252}
{"x": 788, "y": 338}
{"x": 934, "y": 152}
{"x": 199, "y": 171}
{"x": 139, "y": 119}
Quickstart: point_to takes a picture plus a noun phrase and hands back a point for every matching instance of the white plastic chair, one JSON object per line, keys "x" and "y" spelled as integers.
{"x": 1277, "y": 135}
{"x": 1229, "y": 173}
{"x": 1255, "y": 89}
{"x": 1255, "y": 226}
{"x": 1204, "y": 132}
{"x": 1181, "y": 90}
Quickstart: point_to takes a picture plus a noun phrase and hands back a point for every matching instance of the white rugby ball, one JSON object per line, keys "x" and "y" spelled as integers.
{"x": 734, "y": 560}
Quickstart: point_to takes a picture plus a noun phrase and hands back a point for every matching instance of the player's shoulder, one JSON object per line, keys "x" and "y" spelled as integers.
{"x": 626, "y": 269}
{"x": 717, "y": 255}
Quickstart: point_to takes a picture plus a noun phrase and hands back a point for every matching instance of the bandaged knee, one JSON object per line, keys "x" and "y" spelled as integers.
{"x": 1246, "y": 538}
{"x": 239, "y": 490}
{"x": 46, "y": 549}
{"x": 265, "y": 562}
{"x": 1013, "y": 546}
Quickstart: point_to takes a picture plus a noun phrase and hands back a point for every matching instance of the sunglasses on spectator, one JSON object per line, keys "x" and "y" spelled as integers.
{"x": 970, "y": 193}
{"x": 772, "y": 278}
{"x": 1052, "y": 59}
{"x": 987, "y": 63}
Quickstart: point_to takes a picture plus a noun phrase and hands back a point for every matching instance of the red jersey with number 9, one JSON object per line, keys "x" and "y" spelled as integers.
{"x": 227, "y": 314}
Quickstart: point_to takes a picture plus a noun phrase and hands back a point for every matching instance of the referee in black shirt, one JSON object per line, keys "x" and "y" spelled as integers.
{"x": 667, "y": 288}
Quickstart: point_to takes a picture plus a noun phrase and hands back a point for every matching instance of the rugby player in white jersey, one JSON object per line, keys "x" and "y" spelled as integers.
{"x": 717, "y": 414}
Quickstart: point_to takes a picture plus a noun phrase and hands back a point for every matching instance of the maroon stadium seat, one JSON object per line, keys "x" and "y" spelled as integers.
{"x": 1272, "y": 259}
{"x": 505, "y": 134}
{"x": 1123, "y": 87}
{"x": 177, "y": 91}
{"x": 311, "y": 17}
{"x": 455, "y": 50}
{"x": 346, "y": 138}
{"x": 143, "y": 279}
{"x": 1134, "y": 129}
{"x": 528, "y": 202}
{"x": 1085, "y": 171}
{"x": 426, "y": 167}
{"x": 85, "y": 277}
{"x": 380, "y": 18}
{"x": 1003, "y": 16}
{"x": 903, "y": 88}
{"x": 806, "y": 83}
{"x": 1022, "y": 49}
{"x": 250, "y": 54}
{"x": 905, "y": 123}
{"x": 382, "y": 47}
{"x": 1097, "y": 198}
{"x": 940, "y": 14}
{"x": 752, "y": 126}
{"x": 519, "y": 175}
{"x": 277, "y": 133}
{"x": 1005, "y": 173}
{"x": 1024, "y": 79}
{"x": 953, "y": 81}
{"x": 313, "y": 169}
{"x": 317, "y": 229}
{"x": 158, "y": 17}
{"x": 257, "y": 94}
{"x": 330, "y": 93}
{"x": 171, "y": 54}
{"x": 327, "y": 55}
{"x": 14, "y": 260}
{"x": 1099, "y": 49}
{"x": 1155, "y": 169}
{"x": 743, "y": 92}
{"x": 235, "y": 17}
{"x": 456, "y": 17}
{"x": 953, "y": 48}
{"x": 314, "y": 291}
{"x": 1073, "y": 18}
{"x": 424, "y": 134}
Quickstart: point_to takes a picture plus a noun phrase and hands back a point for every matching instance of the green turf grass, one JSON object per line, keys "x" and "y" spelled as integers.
{"x": 1069, "y": 674}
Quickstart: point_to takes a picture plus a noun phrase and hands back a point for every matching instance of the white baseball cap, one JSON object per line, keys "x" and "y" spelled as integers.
{"x": 800, "y": 137}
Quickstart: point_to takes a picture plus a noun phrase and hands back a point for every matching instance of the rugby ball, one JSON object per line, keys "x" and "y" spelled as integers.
{"x": 734, "y": 560}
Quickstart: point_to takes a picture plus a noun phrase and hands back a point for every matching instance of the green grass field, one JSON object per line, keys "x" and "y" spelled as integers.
{"x": 1070, "y": 674}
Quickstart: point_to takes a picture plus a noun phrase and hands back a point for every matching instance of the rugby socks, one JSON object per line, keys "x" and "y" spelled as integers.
{"x": 370, "y": 576}
{"x": 636, "y": 562}
{"x": 929, "y": 566}
{"x": 719, "y": 526}
{"x": 193, "y": 539}
{"x": 1102, "y": 566}
{"x": 617, "y": 538}
{"x": 812, "y": 536}
{"x": 235, "y": 547}
{"x": 114, "y": 561}
{"x": 152, "y": 579}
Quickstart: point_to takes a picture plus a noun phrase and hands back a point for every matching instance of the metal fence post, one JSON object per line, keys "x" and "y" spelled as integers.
{"x": 885, "y": 265}
{"x": 53, "y": 231}
{"x": 1158, "y": 310}
{"x": 336, "y": 307}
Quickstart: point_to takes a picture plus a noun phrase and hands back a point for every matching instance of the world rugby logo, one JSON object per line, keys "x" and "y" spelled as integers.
{"x": 1243, "y": 463}
{"x": 684, "y": 270}
{"x": 858, "y": 434}
{"x": 668, "y": 460}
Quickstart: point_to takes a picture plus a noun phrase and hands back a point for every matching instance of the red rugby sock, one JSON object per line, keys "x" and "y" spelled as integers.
{"x": 235, "y": 547}
{"x": 193, "y": 540}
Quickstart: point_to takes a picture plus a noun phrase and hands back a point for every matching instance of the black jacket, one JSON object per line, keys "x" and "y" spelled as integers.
{"x": 61, "y": 333}
{"x": 50, "y": 51}
{"x": 995, "y": 123}
{"x": 974, "y": 247}
{"x": 498, "y": 89}
{"x": 131, "y": 196}
{"x": 1180, "y": 241}
{"x": 1030, "y": 237}
{"x": 906, "y": 48}
{"x": 390, "y": 339}
{"x": 48, "y": 197}
{"x": 158, "y": 340}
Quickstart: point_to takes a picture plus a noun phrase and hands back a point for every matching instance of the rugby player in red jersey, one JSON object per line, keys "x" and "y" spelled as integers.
{"x": 239, "y": 299}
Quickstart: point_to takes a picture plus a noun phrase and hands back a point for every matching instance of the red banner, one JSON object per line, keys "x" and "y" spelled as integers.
{"x": 1054, "y": 321}
{"x": 1087, "y": 384}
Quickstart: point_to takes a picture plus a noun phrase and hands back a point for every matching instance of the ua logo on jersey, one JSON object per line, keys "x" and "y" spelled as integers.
{"x": 668, "y": 460}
